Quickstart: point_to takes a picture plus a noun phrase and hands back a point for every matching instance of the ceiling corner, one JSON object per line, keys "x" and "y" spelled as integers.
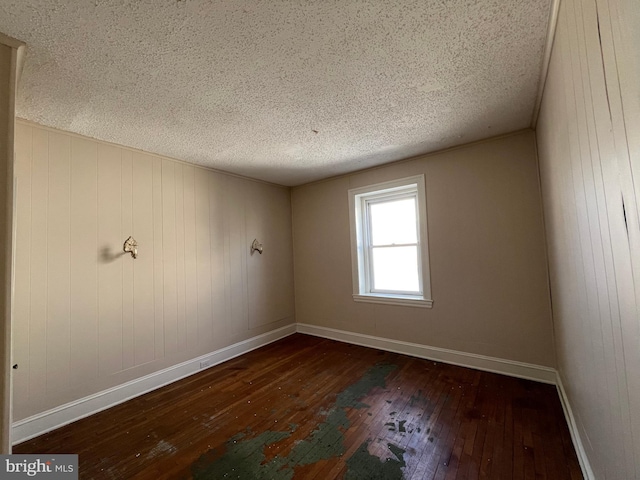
{"x": 554, "y": 7}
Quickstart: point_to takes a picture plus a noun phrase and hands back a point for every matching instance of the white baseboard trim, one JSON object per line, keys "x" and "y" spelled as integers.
{"x": 471, "y": 360}
{"x": 57, "y": 417}
{"x": 587, "y": 473}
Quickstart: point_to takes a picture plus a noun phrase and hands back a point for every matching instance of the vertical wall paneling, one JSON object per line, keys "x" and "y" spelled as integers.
{"x": 83, "y": 316}
{"x": 203, "y": 259}
{"x": 39, "y": 291}
{"x": 88, "y": 316}
{"x": 144, "y": 327}
{"x": 237, "y": 247}
{"x": 158, "y": 258}
{"x": 217, "y": 249}
{"x": 602, "y": 279}
{"x": 622, "y": 67}
{"x": 181, "y": 293}
{"x": 608, "y": 197}
{"x": 586, "y": 156}
{"x": 169, "y": 263}
{"x": 270, "y": 223}
{"x": 127, "y": 282}
{"x": 22, "y": 297}
{"x": 190, "y": 254}
{"x": 584, "y": 276}
{"x": 58, "y": 263}
{"x": 625, "y": 24}
{"x": 110, "y": 266}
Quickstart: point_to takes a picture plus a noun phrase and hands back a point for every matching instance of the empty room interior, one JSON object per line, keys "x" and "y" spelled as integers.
{"x": 315, "y": 240}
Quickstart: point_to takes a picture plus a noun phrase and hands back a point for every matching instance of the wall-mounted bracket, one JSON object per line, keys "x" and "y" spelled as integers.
{"x": 256, "y": 246}
{"x": 131, "y": 246}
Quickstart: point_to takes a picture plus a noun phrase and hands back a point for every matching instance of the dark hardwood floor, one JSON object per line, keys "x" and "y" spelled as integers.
{"x": 310, "y": 408}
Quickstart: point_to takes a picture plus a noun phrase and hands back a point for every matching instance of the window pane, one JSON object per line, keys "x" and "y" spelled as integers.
{"x": 395, "y": 268}
{"x": 393, "y": 222}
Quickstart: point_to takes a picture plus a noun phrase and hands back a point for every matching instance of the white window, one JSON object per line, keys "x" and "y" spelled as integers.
{"x": 389, "y": 251}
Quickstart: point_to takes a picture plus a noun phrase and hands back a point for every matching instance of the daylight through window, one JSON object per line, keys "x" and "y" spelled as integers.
{"x": 389, "y": 243}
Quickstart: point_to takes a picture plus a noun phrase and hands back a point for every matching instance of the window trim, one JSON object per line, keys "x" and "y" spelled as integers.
{"x": 358, "y": 198}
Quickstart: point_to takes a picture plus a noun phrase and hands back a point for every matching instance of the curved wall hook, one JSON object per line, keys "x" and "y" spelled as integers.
{"x": 131, "y": 246}
{"x": 256, "y": 246}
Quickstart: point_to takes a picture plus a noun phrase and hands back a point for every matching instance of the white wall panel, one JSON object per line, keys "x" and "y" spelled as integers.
{"x": 110, "y": 265}
{"x": 88, "y": 316}
{"x": 58, "y": 347}
{"x": 144, "y": 302}
{"x": 39, "y": 292}
{"x": 159, "y": 259}
{"x": 217, "y": 237}
{"x": 268, "y": 219}
{"x": 585, "y": 162}
{"x": 181, "y": 293}
{"x": 236, "y": 278}
{"x": 170, "y": 267}
{"x": 128, "y": 300}
{"x": 22, "y": 282}
{"x": 191, "y": 283}
{"x": 83, "y": 317}
{"x": 203, "y": 259}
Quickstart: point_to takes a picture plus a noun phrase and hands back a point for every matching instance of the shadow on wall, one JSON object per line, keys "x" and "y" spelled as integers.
{"x": 107, "y": 255}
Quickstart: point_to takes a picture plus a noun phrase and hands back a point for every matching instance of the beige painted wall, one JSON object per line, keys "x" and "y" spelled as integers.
{"x": 88, "y": 317}
{"x": 589, "y": 148}
{"x": 487, "y": 255}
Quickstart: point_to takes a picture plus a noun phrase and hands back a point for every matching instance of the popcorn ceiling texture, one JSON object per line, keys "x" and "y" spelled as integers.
{"x": 244, "y": 86}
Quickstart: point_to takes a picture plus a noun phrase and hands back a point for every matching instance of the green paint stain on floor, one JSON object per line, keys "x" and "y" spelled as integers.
{"x": 374, "y": 377}
{"x": 324, "y": 442}
{"x": 245, "y": 457}
{"x": 364, "y": 466}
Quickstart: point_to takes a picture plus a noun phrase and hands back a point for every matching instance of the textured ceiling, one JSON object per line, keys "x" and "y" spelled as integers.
{"x": 284, "y": 91}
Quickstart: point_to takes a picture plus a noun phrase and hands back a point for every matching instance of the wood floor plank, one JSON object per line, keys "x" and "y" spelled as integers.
{"x": 316, "y": 409}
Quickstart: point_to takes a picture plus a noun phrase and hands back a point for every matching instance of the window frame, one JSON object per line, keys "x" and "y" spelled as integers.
{"x": 369, "y": 246}
{"x": 360, "y": 200}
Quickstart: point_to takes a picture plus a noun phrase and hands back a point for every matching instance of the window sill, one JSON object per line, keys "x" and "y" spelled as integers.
{"x": 404, "y": 300}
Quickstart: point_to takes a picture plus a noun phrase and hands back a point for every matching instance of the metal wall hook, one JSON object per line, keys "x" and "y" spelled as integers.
{"x": 131, "y": 246}
{"x": 256, "y": 246}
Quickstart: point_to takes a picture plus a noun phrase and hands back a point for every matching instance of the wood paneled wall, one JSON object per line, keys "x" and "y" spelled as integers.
{"x": 589, "y": 152}
{"x": 87, "y": 316}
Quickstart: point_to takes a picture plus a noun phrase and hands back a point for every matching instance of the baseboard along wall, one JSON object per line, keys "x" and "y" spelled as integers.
{"x": 454, "y": 357}
{"x": 587, "y": 472}
{"x": 70, "y": 412}
{"x": 57, "y": 417}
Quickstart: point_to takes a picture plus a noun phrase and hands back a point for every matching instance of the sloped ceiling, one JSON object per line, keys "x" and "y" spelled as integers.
{"x": 284, "y": 91}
